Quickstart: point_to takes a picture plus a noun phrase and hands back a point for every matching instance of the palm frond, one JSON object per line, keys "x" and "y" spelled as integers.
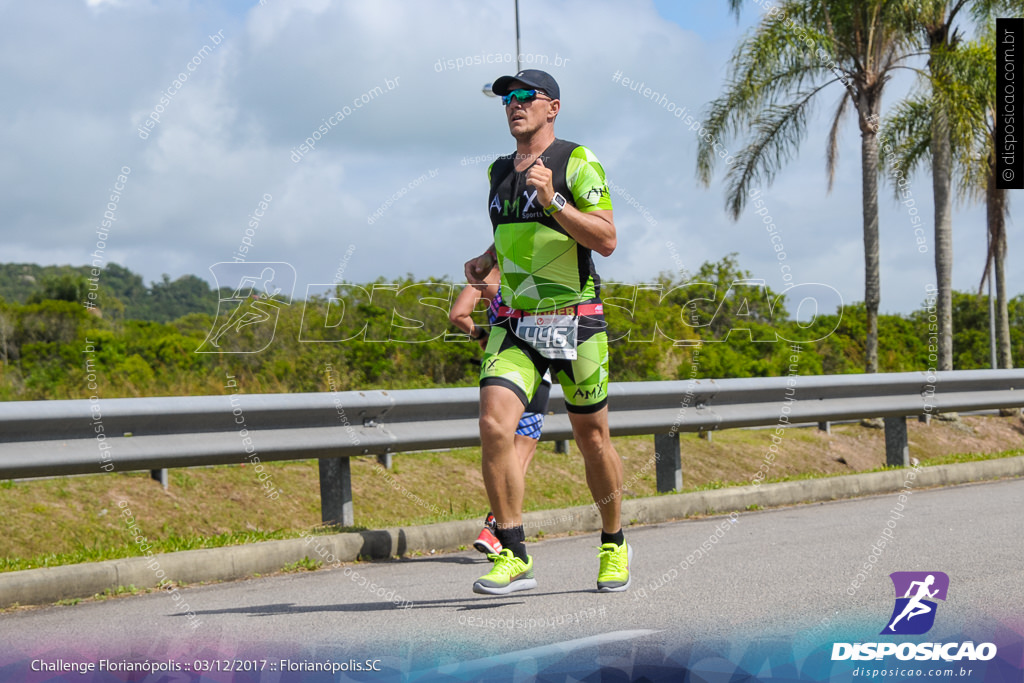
{"x": 767, "y": 67}
{"x": 905, "y": 140}
{"x": 782, "y": 64}
{"x": 832, "y": 155}
{"x": 777, "y": 133}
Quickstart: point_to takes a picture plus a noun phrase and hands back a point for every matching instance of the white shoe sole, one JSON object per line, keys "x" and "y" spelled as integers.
{"x": 616, "y": 589}
{"x": 520, "y": 585}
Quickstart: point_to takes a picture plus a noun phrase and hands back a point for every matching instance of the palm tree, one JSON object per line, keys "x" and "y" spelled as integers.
{"x": 779, "y": 73}
{"x": 966, "y": 93}
{"x": 936, "y": 21}
{"x": 936, "y": 24}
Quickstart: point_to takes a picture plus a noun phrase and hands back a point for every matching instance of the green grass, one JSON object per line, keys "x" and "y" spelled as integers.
{"x": 169, "y": 545}
{"x": 970, "y": 457}
{"x": 950, "y": 459}
{"x": 305, "y": 564}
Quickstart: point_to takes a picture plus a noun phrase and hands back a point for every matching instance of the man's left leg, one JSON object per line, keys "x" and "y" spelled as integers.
{"x": 603, "y": 465}
{"x": 585, "y": 386}
{"x": 604, "y": 477}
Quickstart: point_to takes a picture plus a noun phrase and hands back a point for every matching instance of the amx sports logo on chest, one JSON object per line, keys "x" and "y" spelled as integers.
{"x": 914, "y": 614}
{"x": 513, "y": 206}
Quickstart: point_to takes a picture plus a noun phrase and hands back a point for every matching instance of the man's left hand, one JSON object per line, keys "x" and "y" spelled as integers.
{"x": 540, "y": 177}
{"x": 477, "y": 269}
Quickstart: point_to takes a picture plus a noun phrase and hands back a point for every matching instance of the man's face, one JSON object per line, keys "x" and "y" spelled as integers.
{"x": 526, "y": 118}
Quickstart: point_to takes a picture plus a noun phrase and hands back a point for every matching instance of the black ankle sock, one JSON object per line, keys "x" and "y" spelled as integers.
{"x": 617, "y": 538}
{"x": 513, "y": 539}
{"x": 519, "y": 550}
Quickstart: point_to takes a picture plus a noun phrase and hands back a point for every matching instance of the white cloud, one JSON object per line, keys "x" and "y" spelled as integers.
{"x": 84, "y": 80}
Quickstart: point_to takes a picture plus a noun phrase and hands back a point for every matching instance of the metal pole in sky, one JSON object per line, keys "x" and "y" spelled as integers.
{"x": 518, "y": 50}
{"x": 487, "y": 86}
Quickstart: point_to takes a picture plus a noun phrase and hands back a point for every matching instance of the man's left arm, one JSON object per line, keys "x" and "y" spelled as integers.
{"x": 593, "y": 229}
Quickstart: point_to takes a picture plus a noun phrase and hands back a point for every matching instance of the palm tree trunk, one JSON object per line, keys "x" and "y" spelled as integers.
{"x": 1004, "y": 348}
{"x": 941, "y": 188}
{"x": 869, "y": 207}
{"x": 996, "y": 215}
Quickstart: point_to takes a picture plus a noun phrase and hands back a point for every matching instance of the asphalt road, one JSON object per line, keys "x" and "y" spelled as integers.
{"x": 777, "y": 576}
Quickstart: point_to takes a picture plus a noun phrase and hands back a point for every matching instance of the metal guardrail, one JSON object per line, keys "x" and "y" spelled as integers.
{"x": 48, "y": 438}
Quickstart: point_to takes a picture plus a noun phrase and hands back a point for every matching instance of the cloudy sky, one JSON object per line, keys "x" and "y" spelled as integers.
{"x": 82, "y": 77}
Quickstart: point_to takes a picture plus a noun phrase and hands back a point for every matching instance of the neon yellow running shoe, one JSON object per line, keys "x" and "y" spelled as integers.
{"x": 614, "y": 573}
{"x": 509, "y": 574}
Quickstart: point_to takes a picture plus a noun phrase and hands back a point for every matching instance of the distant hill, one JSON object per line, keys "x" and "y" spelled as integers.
{"x": 121, "y": 290}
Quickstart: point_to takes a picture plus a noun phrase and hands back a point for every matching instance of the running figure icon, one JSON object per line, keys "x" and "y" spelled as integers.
{"x": 917, "y": 595}
{"x": 251, "y": 297}
{"x": 915, "y": 606}
{"x": 255, "y": 301}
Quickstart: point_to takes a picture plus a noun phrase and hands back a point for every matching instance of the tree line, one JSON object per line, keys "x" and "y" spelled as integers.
{"x": 719, "y": 323}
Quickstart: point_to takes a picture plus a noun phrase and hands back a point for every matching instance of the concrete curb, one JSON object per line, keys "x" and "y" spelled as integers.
{"x": 42, "y": 586}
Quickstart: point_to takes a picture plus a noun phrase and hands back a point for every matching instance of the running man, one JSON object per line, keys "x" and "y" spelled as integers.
{"x": 549, "y": 207}
{"x": 531, "y": 424}
{"x": 915, "y": 606}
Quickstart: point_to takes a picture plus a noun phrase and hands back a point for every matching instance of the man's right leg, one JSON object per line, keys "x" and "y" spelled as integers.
{"x": 500, "y": 409}
{"x": 508, "y": 378}
{"x": 526, "y": 447}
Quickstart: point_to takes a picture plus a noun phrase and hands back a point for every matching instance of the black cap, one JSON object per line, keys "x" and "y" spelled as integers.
{"x": 541, "y": 80}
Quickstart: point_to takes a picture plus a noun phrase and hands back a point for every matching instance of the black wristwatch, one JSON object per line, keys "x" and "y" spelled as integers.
{"x": 477, "y": 337}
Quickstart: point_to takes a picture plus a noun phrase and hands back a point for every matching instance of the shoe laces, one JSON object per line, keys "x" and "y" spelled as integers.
{"x": 504, "y": 562}
{"x": 612, "y": 557}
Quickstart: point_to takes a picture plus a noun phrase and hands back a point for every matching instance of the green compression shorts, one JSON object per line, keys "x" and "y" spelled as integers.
{"x": 511, "y": 362}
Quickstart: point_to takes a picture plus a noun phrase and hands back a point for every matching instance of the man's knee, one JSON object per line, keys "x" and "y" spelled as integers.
{"x": 492, "y": 424}
{"x": 498, "y": 418}
{"x": 591, "y": 437}
{"x": 593, "y": 447}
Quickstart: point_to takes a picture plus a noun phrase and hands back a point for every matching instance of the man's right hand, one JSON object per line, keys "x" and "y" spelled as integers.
{"x": 478, "y": 268}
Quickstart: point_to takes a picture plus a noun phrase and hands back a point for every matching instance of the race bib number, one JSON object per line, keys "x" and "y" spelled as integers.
{"x": 554, "y": 336}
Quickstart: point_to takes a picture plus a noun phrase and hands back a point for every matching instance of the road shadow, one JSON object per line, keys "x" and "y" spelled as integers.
{"x": 466, "y": 604}
{"x": 292, "y": 608}
{"x": 448, "y": 559}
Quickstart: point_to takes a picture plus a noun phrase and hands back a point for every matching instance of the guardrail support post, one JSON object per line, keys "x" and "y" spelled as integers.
{"x": 160, "y": 476}
{"x": 825, "y": 426}
{"x": 897, "y": 450}
{"x": 925, "y": 418}
{"x": 384, "y": 459}
{"x": 336, "y": 492}
{"x": 668, "y": 468}
{"x": 562, "y": 446}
